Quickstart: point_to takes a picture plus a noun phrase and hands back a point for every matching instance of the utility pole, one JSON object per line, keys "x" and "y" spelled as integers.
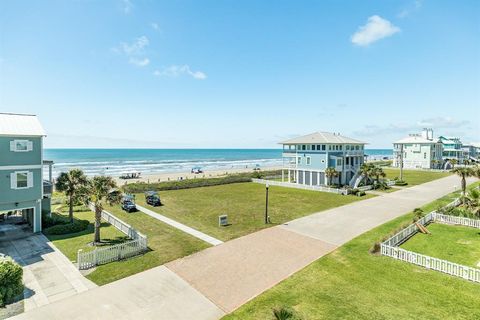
{"x": 266, "y": 203}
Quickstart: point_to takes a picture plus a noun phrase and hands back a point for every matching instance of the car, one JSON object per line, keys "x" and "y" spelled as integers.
{"x": 128, "y": 203}
{"x": 152, "y": 198}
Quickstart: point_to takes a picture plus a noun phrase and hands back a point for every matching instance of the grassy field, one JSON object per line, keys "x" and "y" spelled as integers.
{"x": 415, "y": 177}
{"x": 244, "y": 203}
{"x": 165, "y": 244}
{"x": 351, "y": 283}
{"x": 453, "y": 243}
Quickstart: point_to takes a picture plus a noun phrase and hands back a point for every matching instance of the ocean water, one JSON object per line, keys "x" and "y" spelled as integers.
{"x": 115, "y": 161}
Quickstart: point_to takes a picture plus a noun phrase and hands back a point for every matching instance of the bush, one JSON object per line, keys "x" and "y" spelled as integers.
{"x": 11, "y": 284}
{"x": 361, "y": 193}
{"x": 76, "y": 226}
{"x": 53, "y": 220}
{"x": 400, "y": 183}
{"x": 192, "y": 183}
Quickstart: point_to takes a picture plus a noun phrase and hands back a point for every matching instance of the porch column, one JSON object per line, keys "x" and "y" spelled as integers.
{"x": 289, "y": 176}
{"x": 318, "y": 178}
{"x": 297, "y": 176}
{"x": 311, "y": 176}
{"x": 303, "y": 177}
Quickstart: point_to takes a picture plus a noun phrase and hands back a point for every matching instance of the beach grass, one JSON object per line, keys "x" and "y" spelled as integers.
{"x": 244, "y": 203}
{"x": 352, "y": 283}
{"x": 415, "y": 177}
{"x": 457, "y": 244}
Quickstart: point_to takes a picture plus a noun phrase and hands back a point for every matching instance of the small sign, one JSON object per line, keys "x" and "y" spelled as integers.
{"x": 223, "y": 220}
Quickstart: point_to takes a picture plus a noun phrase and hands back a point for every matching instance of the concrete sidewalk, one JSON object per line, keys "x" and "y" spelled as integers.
{"x": 180, "y": 226}
{"x": 223, "y": 277}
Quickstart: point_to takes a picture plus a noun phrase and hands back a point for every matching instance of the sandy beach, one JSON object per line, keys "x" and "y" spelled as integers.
{"x": 171, "y": 176}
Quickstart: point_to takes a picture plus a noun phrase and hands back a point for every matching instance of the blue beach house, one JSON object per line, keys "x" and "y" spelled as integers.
{"x": 23, "y": 190}
{"x": 306, "y": 158}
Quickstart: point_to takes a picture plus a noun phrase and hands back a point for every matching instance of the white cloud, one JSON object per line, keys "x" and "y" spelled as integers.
{"x": 139, "y": 62}
{"x": 376, "y": 28}
{"x": 155, "y": 26}
{"x": 443, "y": 122}
{"x": 127, "y": 6}
{"x": 135, "y": 51}
{"x": 416, "y": 5}
{"x": 176, "y": 71}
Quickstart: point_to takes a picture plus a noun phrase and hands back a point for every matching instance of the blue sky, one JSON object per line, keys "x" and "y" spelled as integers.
{"x": 118, "y": 73}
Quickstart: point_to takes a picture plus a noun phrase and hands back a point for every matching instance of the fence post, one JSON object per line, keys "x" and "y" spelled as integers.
{"x": 79, "y": 258}
{"x": 95, "y": 257}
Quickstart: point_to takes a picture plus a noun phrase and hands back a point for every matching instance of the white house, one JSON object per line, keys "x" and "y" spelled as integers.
{"x": 418, "y": 151}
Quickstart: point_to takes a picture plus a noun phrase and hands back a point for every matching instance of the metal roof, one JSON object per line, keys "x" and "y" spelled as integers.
{"x": 322, "y": 137}
{"x": 12, "y": 124}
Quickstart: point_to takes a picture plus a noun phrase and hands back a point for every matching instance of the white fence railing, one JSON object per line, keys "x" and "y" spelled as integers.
{"x": 300, "y": 186}
{"x": 390, "y": 246}
{"x": 98, "y": 256}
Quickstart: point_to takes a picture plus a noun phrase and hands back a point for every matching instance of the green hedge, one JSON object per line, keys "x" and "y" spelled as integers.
{"x": 11, "y": 284}
{"x": 194, "y": 183}
{"x": 76, "y": 226}
{"x": 54, "y": 220}
{"x": 400, "y": 183}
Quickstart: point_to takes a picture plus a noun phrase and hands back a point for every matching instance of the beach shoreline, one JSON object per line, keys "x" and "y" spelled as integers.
{"x": 184, "y": 175}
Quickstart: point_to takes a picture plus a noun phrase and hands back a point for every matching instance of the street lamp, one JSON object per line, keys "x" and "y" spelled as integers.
{"x": 266, "y": 203}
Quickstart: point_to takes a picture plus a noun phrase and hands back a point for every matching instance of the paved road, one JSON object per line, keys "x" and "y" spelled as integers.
{"x": 223, "y": 277}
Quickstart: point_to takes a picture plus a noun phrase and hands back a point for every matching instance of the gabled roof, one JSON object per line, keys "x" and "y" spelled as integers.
{"x": 416, "y": 139}
{"x": 322, "y": 137}
{"x": 12, "y": 124}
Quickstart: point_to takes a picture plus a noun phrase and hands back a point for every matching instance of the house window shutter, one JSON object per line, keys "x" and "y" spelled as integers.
{"x": 12, "y": 145}
{"x": 30, "y": 180}
{"x": 13, "y": 180}
{"x": 29, "y": 146}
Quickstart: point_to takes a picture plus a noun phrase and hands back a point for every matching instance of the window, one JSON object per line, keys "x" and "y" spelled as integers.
{"x": 304, "y": 147}
{"x": 308, "y": 147}
{"x": 309, "y": 160}
{"x": 341, "y": 147}
{"x": 339, "y": 162}
{"x": 424, "y": 155}
{"x": 347, "y": 147}
{"x": 324, "y": 147}
{"x": 21, "y": 146}
{"x": 318, "y": 147}
{"x": 21, "y": 180}
{"x": 299, "y": 160}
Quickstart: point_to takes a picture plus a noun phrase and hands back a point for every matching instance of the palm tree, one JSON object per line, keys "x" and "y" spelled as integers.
{"x": 453, "y": 162}
{"x": 102, "y": 189}
{"x": 365, "y": 171}
{"x": 463, "y": 173}
{"x": 331, "y": 173}
{"x": 377, "y": 172}
{"x": 72, "y": 183}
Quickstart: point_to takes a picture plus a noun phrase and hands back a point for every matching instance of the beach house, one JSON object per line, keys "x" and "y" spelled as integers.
{"x": 452, "y": 149}
{"x": 23, "y": 191}
{"x": 420, "y": 151}
{"x": 306, "y": 158}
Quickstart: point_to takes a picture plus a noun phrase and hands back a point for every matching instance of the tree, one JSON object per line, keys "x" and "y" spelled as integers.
{"x": 463, "y": 173}
{"x": 377, "y": 172}
{"x": 72, "y": 183}
{"x": 453, "y": 162}
{"x": 331, "y": 173}
{"x": 365, "y": 171}
{"x": 102, "y": 189}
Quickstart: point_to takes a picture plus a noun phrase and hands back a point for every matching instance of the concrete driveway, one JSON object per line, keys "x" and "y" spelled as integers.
{"x": 48, "y": 275}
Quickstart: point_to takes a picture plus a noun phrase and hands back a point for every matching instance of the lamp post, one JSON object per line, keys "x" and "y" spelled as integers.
{"x": 266, "y": 203}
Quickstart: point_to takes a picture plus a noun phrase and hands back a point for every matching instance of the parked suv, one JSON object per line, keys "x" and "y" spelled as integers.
{"x": 128, "y": 203}
{"x": 152, "y": 198}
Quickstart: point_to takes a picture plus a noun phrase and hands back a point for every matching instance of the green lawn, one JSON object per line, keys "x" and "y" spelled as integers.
{"x": 351, "y": 283}
{"x": 165, "y": 244}
{"x": 244, "y": 203}
{"x": 415, "y": 177}
{"x": 457, "y": 244}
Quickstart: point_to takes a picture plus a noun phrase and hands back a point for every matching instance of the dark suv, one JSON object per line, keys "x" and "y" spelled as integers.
{"x": 128, "y": 203}
{"x": 152, "y": 198}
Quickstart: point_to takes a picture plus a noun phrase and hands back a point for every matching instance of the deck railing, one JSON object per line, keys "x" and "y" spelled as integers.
{"x": 300, "y": 186}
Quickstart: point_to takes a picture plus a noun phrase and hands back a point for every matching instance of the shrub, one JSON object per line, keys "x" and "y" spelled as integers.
{"x": 361, "y": 193}
{"x": 11, "y": 284}
{"x": 53, "y": 220}
{"x": 375, "y": 249}
{"x": 284, "y": 313}
{"x": 192, "y": 183}
{"x": 400, "y": 183}
{"x": 76, "y": 226}
{"x": 417, "y": 214}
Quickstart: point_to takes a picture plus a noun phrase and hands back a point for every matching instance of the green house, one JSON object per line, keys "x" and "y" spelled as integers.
{"x": 24, "y": 194}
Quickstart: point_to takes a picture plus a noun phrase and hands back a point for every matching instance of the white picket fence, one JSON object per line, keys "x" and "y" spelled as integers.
{"x": 390, "y": 247}
{"x": 99, "y": 256}
{"x": 300, "y": 186}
